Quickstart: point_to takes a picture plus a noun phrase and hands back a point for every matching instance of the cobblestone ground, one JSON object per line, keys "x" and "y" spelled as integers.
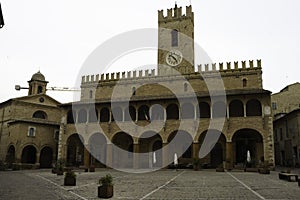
{"x": 163, "y": 184}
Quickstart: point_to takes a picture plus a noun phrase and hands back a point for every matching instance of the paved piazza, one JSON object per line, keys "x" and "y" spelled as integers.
{"x": 163, "y": 184}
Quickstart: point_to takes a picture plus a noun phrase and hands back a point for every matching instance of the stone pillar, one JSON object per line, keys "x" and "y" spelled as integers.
{"x": 109, "y": 155}
{"x": 195, "y": 149}
{"x": 229, "y": 158}
{"x": 86, "y": 157}
{"x": 165, "y": 156}
{"x": 136, "y": 155}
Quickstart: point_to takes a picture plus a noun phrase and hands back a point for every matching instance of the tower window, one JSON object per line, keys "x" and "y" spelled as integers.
{"x": 40, "y": 90}
{"x": 91, "y": 94}
{"x": 174, "y": 38}
{"x": 133, "y": 91}
{"x": 185, "y": 87}
{"x": 244, "y": 82}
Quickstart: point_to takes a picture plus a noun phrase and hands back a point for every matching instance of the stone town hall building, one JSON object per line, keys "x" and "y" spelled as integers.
{"x": 123, "y": 118}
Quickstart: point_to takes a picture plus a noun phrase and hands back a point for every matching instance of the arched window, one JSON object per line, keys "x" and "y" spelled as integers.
{"x": 219, "y": 109}
{"x": 253, "y": 108}
{"x": 185, "y": 87}
{"x": 91, "y": 94}
{"x": 130, "y": 114}
{"x": 157, "y": 112}
{"x": 93, "y": 115}
{"x": 187, "y": 111}
{"x": 133, "y": 91}
{"x": 244, "y": 82}
{"x": 82, "y": 116}
{"x": 117, "y": 114}
{"x": 236, "y": 108}
{"x": 40, "y": 90}
{"x": 143, "y": 113}
{"x": 174, "y": 34}
{"x": 70, "y": 117}
{"x": 204, "y": 110}
{"x": 40, "y": 115}
{"x": 172, "y": 111}
{"x": 104, "y": 115}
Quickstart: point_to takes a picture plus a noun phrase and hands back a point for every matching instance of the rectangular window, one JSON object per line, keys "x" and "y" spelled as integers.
{"x": 31, "y": 132}
{"x": 56, "y": 135}
{"x": 274, "y": 106}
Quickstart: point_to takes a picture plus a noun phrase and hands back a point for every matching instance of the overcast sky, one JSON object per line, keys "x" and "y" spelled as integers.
{"x": 57, "y": 36}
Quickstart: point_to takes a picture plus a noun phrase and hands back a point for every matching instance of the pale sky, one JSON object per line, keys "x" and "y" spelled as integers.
{"x": 57, "y": 36}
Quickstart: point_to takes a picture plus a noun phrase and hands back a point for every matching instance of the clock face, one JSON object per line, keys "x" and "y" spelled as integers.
{"x": 174, "y": 57}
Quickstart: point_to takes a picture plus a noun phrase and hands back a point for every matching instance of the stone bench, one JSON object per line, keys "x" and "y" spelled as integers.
{"x": 287, "y": 176}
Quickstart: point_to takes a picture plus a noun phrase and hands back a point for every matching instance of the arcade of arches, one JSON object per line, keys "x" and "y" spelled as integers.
{"x": 152, "y": 152}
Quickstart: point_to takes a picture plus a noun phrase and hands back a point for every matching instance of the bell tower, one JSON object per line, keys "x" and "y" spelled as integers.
{"x": 37, "y": 84}
{"x": 176, "y": 41}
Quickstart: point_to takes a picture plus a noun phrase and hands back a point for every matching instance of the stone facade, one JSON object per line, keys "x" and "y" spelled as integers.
{"x": 123, "y": 118}
{"x": 286, "y": 139}
{"x": 29, "y": 125}
{"x": 287, "y": 100}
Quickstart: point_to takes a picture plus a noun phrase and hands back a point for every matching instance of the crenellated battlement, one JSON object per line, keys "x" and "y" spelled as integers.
{"x": 118, "y": 76}
{"x": 175, "y": 13}
{"x": 228, "y": 67}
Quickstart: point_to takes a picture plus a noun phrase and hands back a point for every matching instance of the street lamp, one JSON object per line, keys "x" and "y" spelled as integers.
{"x": 1, "y": 18}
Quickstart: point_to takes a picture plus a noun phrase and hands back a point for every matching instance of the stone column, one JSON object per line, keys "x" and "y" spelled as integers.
{"x": 195, "y": 150}
{"x": 109, "y": 155}
{"x": 165, "y": 156}
{"x": 86, "y": 157}
{"x": 229, "y": 158}
{"x": 136, "y": 155}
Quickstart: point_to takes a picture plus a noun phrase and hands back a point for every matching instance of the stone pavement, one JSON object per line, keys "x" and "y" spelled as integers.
{"x": 162, "y": 184}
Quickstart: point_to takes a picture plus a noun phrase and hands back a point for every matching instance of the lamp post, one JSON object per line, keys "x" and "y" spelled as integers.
{"x": 1, "y": 18}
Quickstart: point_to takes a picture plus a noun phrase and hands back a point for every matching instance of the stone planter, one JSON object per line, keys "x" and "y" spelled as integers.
{"x": 105, "y": 191}
{"x": 69, "y": 181}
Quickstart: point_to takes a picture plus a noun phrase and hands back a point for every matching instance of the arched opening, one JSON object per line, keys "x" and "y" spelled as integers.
{"x": 46, "y": 157}
{"x": 204, "y": 110}
{"x": 150, "y": 144}
{"x": 91, "y": 94}
{"x": 70, "y": 117}
{"x": 253, "y": 108}
{"x": 93, "y": 115}
{"x": 130, "y": 114}
{"x": 180, "y": 142}
{"x": 122, "y": 150}
{"x": 247, "y": 140}
{"x": 214, "y": 148}
{"x": 117, "y": 114}
{"x": 40, "y": 90}
{"x": 143, "y": 113}
{"x": 97, "y": 149}
{"x": 219, "y": 109}
{"x": 75, "y": 150}
{"x": 172, "y": 112}
{"x": 10, "y": 156}
{"x": 245, "y": 82}
{"x": 174, "y": 36}
{"x": 236, "y": 108}
{"x": 29, "y": 155}
{"x": 82, "y": 116}
{"x": 40, "y": 115}
{"x": 104, "y": 115}
{"x": 157, "y": 112}
{"x": 187, "y": 111}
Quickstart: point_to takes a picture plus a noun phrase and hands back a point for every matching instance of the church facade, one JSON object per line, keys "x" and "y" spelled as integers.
{"x": 141, "y": 119}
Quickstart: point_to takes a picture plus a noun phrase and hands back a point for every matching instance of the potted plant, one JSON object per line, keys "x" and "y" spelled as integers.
{"x": 70, "y": 178}
{"x": 58, "y": 167}
{"x": 196, "y": 164}
{"x": 105, "y": 190}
